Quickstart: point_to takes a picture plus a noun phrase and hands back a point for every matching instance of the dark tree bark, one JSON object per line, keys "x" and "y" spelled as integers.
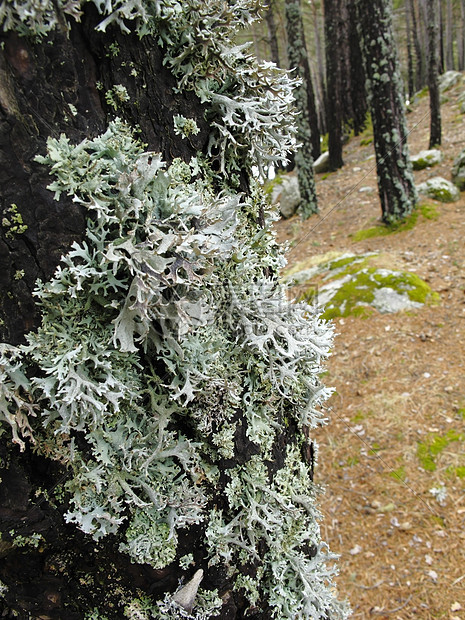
{"x": 307, "y": 121}
{"x": 321, "y": 69}
{"x": 272, "y": 33}
{"x": 409, "y": 36}
{"x": 441, "y": 29}
{"x": 433, "y": 75}
{"x": 450, "y": 65}
{"x": 395, "y": 180}
{"x": 357, "y": 72}
{"x": 420, "y": 73}
{"x": 335, "y": 47}
{"x": 38, "y": 83}
{"x": 47, "y": 89}
{"x": 461, "y": 37}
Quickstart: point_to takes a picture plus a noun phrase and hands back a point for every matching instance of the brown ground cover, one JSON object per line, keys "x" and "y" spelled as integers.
{"x": 397, "y": 418}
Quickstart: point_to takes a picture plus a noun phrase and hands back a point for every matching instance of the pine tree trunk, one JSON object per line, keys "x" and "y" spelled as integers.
{"x": 357, "y": 72}
{"x": 461, "y": 37}
{"x": 272, "y": 34}
{"x": 46, "y": 90}
{"x": 420, "y": 73}
{"x": 321, "y": 82}
{"x": 395, "y": 180}
{"x": 333, "y": 10}
{"x": 441, "y": 36}
{"x": 433, "y": 75}
{"x": 307, "y": 121}
{"x": 450, "y": 65}
{"x": 146, "y": 424}
{"x": 410, "y": 71}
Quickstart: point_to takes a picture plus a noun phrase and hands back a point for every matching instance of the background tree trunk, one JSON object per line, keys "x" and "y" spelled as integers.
{"x": 450, "y": 65}
{"x": 307, "y": 121}
{"x": 357, "y": 72}
{"x": 334, "y": 36}
{"x": 433, "y": 75}
{"x": 395, "y": 180}
{"x": 420, "y": 73}
{"x": 410, "y": 71}
{"x": 272, "y": 33}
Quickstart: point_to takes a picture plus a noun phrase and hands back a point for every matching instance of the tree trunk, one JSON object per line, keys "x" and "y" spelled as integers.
{"x": 46, "y": 90}
{"x": 150, "y": 434}
{"x": 272, "y": 34}
{"x": 333, "y": 12}
{"x": 441, "y": 45}
{"x": 461, "y": 37}
{"x": 433, "y": 75}
{"x": 450, "y": 65}
{"x": 321, "y": 69}
{"x": 357, "y": 72}
{"x": 420, "y": 73}
{"x": 410, "y": 71}
{"x": 395, "y": 180}
{"x": 307, "y": 120}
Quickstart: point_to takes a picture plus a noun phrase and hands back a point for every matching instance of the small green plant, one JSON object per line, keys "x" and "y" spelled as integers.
{"x": 398, "y": 474}
{"x": 428, "y": 450}
{"x": 13, "y": 223}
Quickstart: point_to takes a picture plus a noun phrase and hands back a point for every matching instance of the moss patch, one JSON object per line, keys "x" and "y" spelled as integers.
{"x": 426, "y": 210}
{"x": 428, "y": 450}
{"x": 398, "y": 474}
{"x": 360, "y": 293}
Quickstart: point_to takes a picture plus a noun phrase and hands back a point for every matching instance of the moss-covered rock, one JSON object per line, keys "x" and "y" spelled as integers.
{"x": 440, "y": 189}
{"x": 358, "y": 285}
{"x": 426, "y": 159}
{"x": 458, "y": 171}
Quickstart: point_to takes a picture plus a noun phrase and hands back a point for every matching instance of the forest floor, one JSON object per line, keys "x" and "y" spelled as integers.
{"x": 396, "y": 433}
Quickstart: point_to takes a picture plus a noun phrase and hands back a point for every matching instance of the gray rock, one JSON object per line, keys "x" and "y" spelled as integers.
{"x": 439, "y": 189}
{"x": 287, "y": 195}
{"x": 426, "y": 158}
{"x": 449, "y": 79}
{"x": 388, "y": 300}
{"x": 321, "y": 164}
{"x": 458, "y": 171}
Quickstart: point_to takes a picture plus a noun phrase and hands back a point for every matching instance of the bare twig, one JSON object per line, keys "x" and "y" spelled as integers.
{"x": 392, "y": 611}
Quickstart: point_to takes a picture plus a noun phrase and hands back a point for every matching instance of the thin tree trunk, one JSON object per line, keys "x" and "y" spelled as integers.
{"x": 450, "y": 66}
{"x": 441, "y": 59}
{"x": 461, "y": 37}
{"x": 357, "y": 72}
{"x": 334, "y": 56}
{"x": 321, "y": 82}
{"x": 395, "y": 180}
{"x": 307, "y": 120}
{"x": 433, "y": 74}
{"x": 272, "y": 34}
{"x": 420, "y": 73}
{"x": 410, "y": 71}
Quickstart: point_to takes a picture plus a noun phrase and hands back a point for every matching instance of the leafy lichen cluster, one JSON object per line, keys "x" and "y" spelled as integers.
{"x": 167, "y": 343}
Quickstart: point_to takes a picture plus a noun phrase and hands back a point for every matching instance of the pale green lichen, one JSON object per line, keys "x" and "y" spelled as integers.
{"x": 185, "y": 127}
{"x": 12, "y": 222}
